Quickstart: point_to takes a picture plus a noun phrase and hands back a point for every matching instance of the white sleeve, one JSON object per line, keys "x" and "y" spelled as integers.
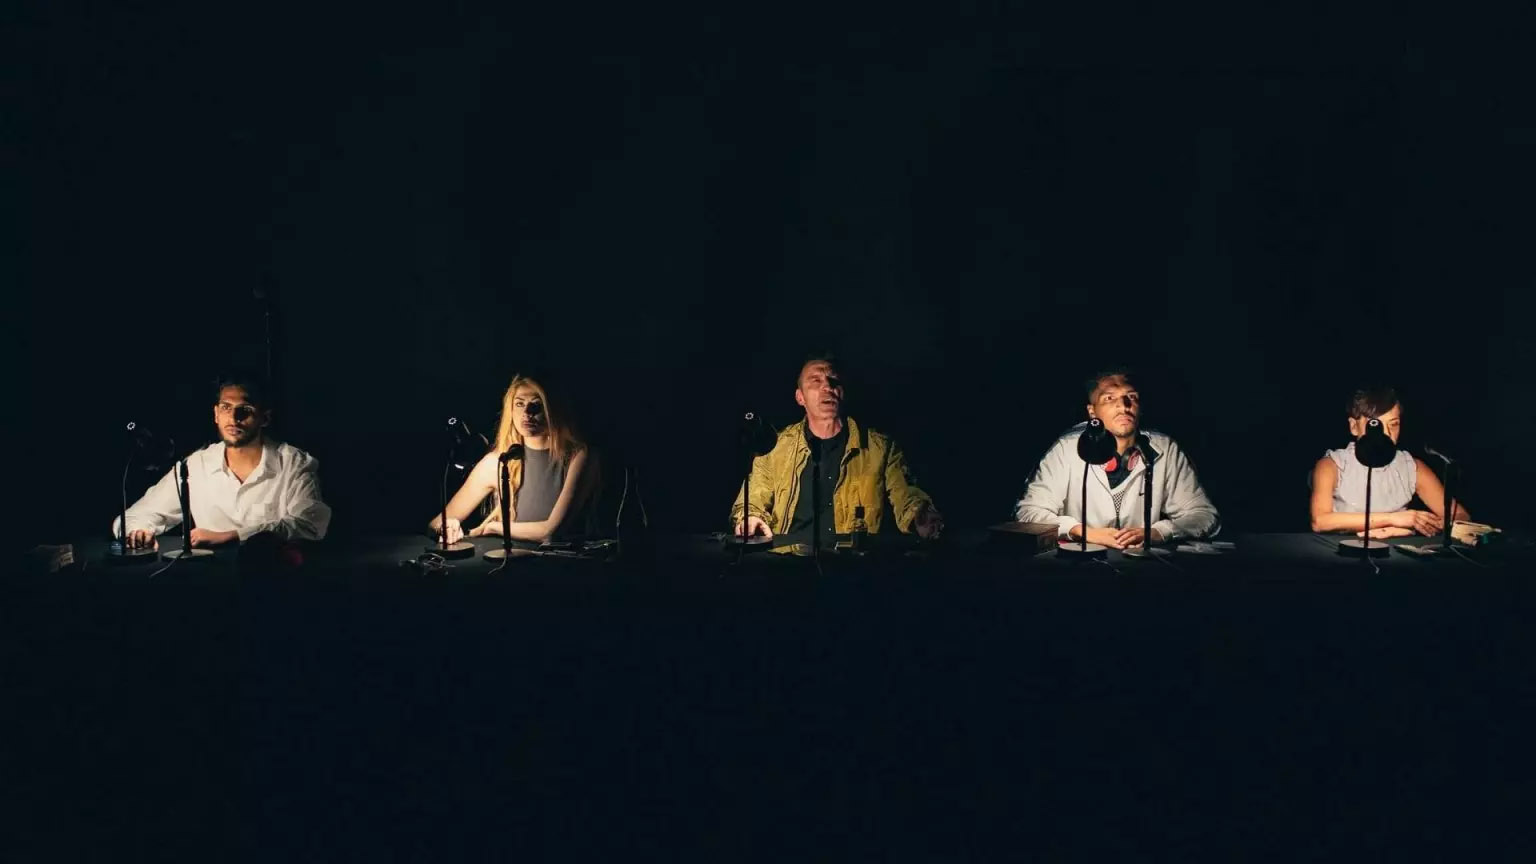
{"x": 158, "y": 509}
{"x": 1187, "y": 512}
{"x": 1046, "y": 498}
{"x": 301, "y": 513}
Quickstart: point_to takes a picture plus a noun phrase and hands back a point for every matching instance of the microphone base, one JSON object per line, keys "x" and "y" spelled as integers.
{"x": 119, "y": 555}
{"x": 500, "y": 554}
{"x": 1355, "y": 547}
{"x": 1147, "y": 554}
{"x": 1075, "y": 551}
{"x": 461, "y": 549}
{"x": 192, "y": 554}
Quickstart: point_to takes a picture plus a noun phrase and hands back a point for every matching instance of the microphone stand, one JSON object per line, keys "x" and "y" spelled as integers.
{"x": 504, "y": 554}
{"x": 184, "y": 491}
{"x": 1448, "y": 501}
{"x": 1448, "y": 516}
{"x": 122, "y": 553}
{"x": 1146, "y": 549}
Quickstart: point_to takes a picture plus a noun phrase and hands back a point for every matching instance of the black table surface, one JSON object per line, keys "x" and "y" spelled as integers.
{"x": 674, "y": 558}
{"x": 960, "y": 702}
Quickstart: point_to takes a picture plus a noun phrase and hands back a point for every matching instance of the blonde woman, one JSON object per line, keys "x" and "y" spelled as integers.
{"x": 548, "y": 485}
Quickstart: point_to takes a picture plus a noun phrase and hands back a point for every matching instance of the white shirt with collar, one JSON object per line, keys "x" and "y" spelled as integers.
{"x": 282, "y": 495}
{"x": 1180, "y": 508}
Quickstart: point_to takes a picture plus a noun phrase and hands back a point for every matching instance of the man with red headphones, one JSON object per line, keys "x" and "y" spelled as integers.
{"x": 1180, "y": 508}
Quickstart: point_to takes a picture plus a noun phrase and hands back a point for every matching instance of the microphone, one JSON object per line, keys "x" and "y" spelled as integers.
{"x": 504, "y": 485}
{"x": 1448, "y": 514}
{"x": 1146, "y": 549}
{"x": 184, "y": 492}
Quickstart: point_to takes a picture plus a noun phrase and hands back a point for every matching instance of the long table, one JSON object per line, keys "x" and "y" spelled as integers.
{"x": 952, "y": 703}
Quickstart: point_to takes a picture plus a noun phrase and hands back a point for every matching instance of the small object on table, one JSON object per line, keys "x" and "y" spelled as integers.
{"x": 51, "y": 559}
{"x": 858, "y": 541}
{"x": 1473, "y": 533}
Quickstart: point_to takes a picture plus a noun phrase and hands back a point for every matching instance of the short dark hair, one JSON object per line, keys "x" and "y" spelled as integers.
{"x": 254, "y": 386}
{"x": 1092, "y": 384}
{"x": 1369, "y": 402}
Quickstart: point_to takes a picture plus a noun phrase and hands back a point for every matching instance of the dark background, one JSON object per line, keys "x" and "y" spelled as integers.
{"x": 975, "y": 207}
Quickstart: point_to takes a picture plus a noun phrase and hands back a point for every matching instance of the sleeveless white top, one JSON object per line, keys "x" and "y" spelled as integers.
{"x": 1392, "y": 486}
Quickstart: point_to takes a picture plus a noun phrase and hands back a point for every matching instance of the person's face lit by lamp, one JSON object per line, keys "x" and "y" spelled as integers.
{"x": 239, "y": 423}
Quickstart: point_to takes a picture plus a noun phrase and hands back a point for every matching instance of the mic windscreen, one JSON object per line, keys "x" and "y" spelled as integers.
{"x": 1375, "y": 449}
{"x": 1095, "y": 446}
{"x": 514, "y": 451}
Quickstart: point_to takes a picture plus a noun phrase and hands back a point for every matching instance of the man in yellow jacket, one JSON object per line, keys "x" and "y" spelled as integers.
{"x": 858, "y": 468}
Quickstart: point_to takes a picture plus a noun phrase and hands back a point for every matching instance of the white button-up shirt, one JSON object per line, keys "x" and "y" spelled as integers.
{"x": 281, "y": 496}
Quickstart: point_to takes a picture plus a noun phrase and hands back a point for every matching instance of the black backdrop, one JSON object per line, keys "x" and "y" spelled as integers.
{"x": 973, "y": 207}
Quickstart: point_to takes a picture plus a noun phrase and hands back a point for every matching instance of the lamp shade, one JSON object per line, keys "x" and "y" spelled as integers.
{"x": 1096, "y": 446}
{"x": 1374, "y": 449}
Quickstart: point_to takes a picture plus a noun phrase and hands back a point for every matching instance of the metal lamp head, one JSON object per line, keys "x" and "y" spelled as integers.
{"x": 1096, "y": 446}
{"x": 1374, "y": 449}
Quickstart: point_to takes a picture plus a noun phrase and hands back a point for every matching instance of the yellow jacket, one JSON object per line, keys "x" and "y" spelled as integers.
{"x": 872, "y": 468}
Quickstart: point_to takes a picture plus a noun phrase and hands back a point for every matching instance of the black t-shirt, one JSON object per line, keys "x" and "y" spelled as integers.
{"x": 801, "y": 527}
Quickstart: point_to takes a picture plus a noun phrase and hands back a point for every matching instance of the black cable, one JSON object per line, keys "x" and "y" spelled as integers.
{"x": 1459, "y": 554}
{"x": 166, "y": 567}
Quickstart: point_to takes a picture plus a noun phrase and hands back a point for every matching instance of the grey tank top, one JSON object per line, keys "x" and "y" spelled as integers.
{"x": 543, "y": 478}
{"x": 1392, "y": 486}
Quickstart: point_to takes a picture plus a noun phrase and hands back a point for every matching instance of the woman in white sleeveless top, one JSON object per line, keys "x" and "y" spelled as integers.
{"x": 1338, "y": 480}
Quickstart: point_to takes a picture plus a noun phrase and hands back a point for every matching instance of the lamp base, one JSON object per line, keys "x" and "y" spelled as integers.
{"x": 1146, "y": 554}
{"x": 118, "y": 555}
{"x": 1355, "y": 547}
{"x": 461, "y": 549}
{"x": 192, "y": 554}
{"x": 1076, "y": 551}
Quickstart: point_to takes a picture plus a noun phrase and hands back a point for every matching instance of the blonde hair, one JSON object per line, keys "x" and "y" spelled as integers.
{"x": 563, "y": 443}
